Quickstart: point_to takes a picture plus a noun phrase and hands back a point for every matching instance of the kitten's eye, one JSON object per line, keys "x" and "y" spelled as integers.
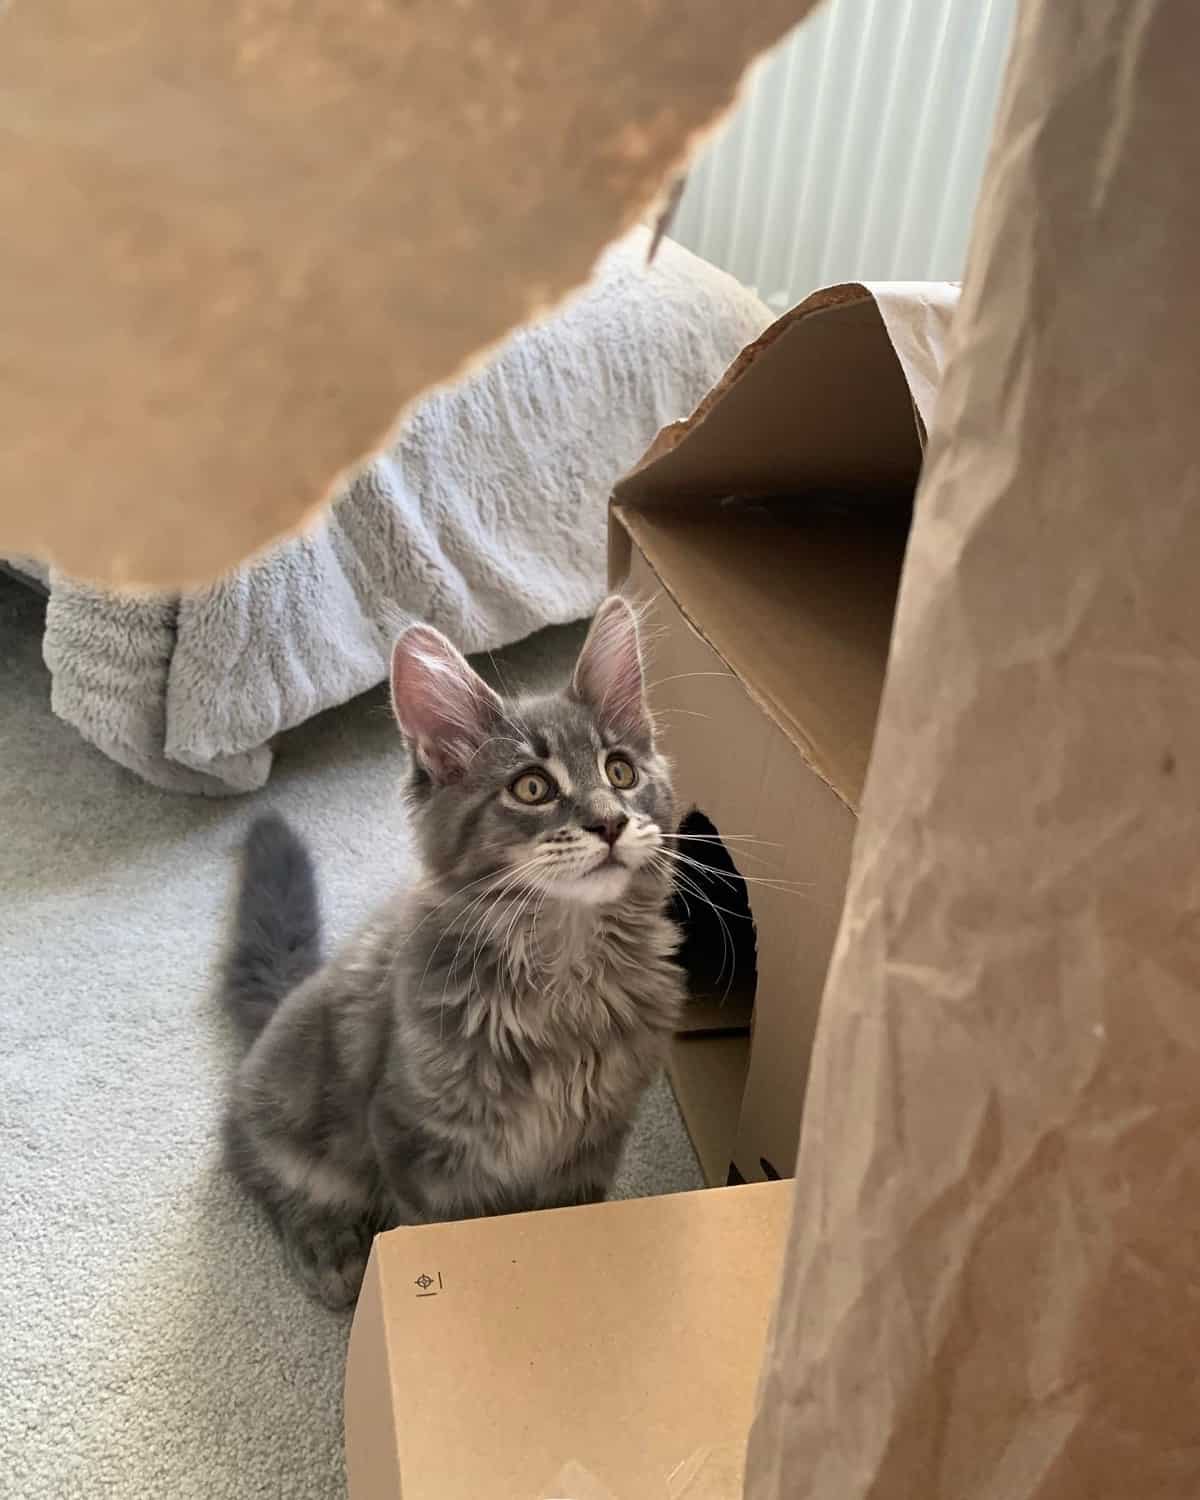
{"x": 620, "y": 772}
{"x": 532, "y": 788}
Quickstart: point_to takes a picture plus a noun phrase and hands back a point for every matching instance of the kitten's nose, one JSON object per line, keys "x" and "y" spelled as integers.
{"x": 610, "y": 830}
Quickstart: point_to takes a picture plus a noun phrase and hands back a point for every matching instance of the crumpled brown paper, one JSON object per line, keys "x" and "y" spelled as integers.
{"x": 992, "y": 1290}
{"x": 240, "y": 235}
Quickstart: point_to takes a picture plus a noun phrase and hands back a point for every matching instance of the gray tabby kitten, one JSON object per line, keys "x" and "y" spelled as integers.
{"x": 480, "y": 1046}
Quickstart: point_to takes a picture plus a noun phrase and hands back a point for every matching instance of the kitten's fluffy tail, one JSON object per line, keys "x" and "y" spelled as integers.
{"x": 276, "y": 939}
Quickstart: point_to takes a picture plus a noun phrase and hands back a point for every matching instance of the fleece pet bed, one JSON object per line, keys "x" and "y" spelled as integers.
{"x": 486, "y": 518}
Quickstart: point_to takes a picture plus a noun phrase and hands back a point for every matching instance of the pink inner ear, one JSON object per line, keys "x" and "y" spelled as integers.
{"x": 608, "y": 675}
{"x": 441, "y": 704}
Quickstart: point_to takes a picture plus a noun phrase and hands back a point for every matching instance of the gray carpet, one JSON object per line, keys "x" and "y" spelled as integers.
{"x": 152, "y": 1345}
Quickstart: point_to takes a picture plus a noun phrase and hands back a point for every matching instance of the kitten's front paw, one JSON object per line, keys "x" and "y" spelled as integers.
{"x": 338, "y": 1284}
{"x": 330, "y": 1265}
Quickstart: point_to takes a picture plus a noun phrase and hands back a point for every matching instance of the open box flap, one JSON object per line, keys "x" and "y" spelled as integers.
{"x": 829, "y": 405}
{"x": 834, "y": 398}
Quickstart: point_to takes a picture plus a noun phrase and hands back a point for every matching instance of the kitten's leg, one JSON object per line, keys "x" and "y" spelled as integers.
{"x": 328, "y": 1256}
{"x": 396, "y": 1148}
{"x": 325, "y": 1214}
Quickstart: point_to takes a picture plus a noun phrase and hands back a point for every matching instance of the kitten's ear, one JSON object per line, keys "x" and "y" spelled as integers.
{"x": 442, "y": 705}
{"x": 608, "y": 675}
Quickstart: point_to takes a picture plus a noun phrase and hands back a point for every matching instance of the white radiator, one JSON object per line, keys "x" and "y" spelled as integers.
{"x": 857, "y": 150}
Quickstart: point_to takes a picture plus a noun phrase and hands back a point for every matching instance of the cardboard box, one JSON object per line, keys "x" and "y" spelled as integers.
{"x": 605, "y": 1351}
{"x": 766, "y": 535}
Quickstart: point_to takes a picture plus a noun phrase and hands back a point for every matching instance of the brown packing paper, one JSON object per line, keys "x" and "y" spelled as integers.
{"x": 993, "y": 1283}
{"x": 240, "y": 236}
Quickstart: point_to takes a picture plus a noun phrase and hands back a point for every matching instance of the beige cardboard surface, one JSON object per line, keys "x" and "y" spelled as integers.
{"x": 992, "y": 1289}
{"x": 799, "y": 425}
{"x": 723, "y": 1012}
{"x": 708, "y": 1076}
{"x": 788, "y": 831}
{"x": 799, "y": 607}
{"x": 618, "y": 1343}
{"x": 239, "y": 237}
{"x": 768, "y": 621}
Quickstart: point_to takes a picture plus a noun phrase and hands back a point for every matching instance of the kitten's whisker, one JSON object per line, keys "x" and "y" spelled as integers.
{"x": 509, "y": 695}
{"x": 485, "y": 933}
{"x": 705, "y": 869}
{"x": 499, "y": 739}
{"x": 680, "y": 875}
{"x": 498, "y": 883}
{"x": 683, "y": 676}
{"x": 728, "y": 948}
{"x": 510, "y": 715}
{"x": 739, "y": 844}
{"x": 722, "y": 838}
{"x": 500, "y": 895}
{"x": 450, "y": 968}
{"x": 739, "y": 841}
{"x": 520, "y": 906}
{"x": 771, "y": 882}
{"x": 492, "y": 876}
{"x": 499, "y": 910}
{"x": 518, "y": 912}
{"x": 458, "y": 891}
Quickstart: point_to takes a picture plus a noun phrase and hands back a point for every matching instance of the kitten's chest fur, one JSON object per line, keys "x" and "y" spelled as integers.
{"x": 556, "y": 1031}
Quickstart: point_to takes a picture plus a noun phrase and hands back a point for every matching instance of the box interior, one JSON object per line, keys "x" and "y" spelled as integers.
{"x": 795, "y": 605}
{"x": 797, "y": 599}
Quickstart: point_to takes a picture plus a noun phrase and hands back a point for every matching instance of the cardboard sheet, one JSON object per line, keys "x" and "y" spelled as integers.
{"x": 600, "y": 1353}
{"x": 239, "y": 237}
{"x": 993, "y": 1281}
